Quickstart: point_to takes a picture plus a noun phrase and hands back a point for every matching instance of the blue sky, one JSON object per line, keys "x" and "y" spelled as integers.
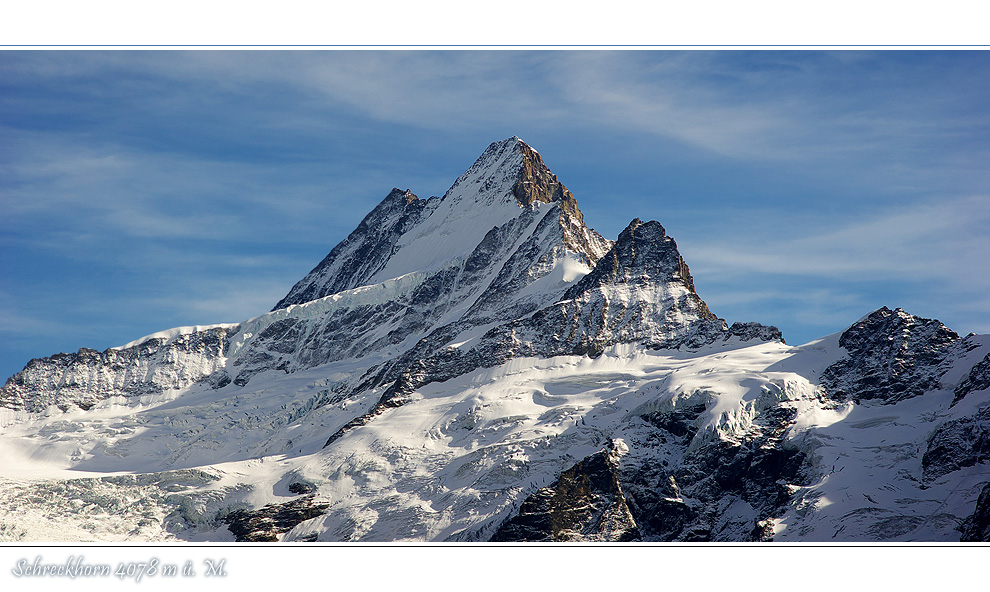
{"x": 143, "y": 190}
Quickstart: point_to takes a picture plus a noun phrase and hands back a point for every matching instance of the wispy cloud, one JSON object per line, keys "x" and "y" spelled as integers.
{"x": 928, "y": 257}
{"x": 79, "y": 193}
{"x": 936, "y": 241}
{"x": 803, "y": 187}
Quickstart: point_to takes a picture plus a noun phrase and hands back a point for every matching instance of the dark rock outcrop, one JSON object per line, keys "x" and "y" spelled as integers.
{"x": 957, "y": 444}
{"x": 301, "y": 487}
{"x": 265, "y": 524}
{"x": 661, "y": 513}
{"x": 716, "y": 489}
{"x": 364, "y": 252}
{"x": 393, "y": 397}
{"x": 585, "y": 504}
{"x": 720, "y": 490}
{"x": 976, "y": 528}
{"x": 892, "y": 356}
{"x": 978, "y": 379}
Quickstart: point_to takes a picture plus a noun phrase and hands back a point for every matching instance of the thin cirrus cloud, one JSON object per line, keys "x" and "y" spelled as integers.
{"x": 803, "y": 187}
{"x": 868, "y": 118}
{"x": 114, "y": 190}
{"x": 928, "y": 258}
{"x": 657, "y": 97}
{"x": 940, "y": 241}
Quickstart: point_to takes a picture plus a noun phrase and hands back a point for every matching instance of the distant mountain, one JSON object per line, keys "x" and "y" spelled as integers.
{"x": 484, "y": 366}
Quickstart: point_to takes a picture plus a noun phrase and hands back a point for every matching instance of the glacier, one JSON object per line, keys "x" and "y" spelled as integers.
{"x": 483, "y": 366}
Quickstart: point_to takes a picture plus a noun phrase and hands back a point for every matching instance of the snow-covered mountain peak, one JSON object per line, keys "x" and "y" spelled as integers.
{"x": 492, "y": 176}
{"x": 508, "y": 183}
{"x": 484, "y": 366}
{"x": 891, "y": 355}
{"x": 509, "y": 171}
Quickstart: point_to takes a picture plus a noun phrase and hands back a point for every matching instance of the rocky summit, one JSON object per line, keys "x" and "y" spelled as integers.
{"x": 483, "y": 366}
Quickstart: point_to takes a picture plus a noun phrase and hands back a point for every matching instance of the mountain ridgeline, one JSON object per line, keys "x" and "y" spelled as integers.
{"x": 484, "y": 366}
{"x": 411, "y": 280}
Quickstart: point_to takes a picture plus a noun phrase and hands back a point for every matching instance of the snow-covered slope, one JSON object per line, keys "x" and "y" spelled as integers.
{"x": 483, "y": 366}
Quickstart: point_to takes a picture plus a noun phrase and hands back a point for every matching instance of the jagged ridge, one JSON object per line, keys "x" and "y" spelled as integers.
{"x": 392, "y": 332}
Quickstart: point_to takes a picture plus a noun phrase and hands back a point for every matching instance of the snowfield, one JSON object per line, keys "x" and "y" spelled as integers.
{"x": 452, "y": 462}
{"x": 482, "y": 366}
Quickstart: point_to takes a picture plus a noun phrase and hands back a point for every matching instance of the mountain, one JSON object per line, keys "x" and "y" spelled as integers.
{"x": 483, "y": 366}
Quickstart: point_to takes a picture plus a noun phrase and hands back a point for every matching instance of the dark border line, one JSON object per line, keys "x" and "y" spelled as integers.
{"x": 491, "y": 46}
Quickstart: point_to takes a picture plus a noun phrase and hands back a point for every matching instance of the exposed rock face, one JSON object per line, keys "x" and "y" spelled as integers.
{"x": 266, "y": 524}
{"x": 436, "y": 278}
{"x": 708, "y": 487}
{"x": 958, "y": 443}
{"x": 395, "y": 396}
{"x": 83, "y": 379}
{"x": 713, "y": 488}
{"x": 504, "y": 241}
{"x": 455, "y": 354}
{"x": 508, "y": 173}
{"x": 751, "y": 331}
{"x": 640, "y": 292}
{"x": 978, "y": 379}
{"x": 413, "y": 279}
{"x": 662, "y": 514}
{"x": 976, "y": 528}
{"x": 301, "y": 487}
{"x": 892, "y": 356}
{"x": 585, "y": 504}
{"x": 363, "y": 253}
